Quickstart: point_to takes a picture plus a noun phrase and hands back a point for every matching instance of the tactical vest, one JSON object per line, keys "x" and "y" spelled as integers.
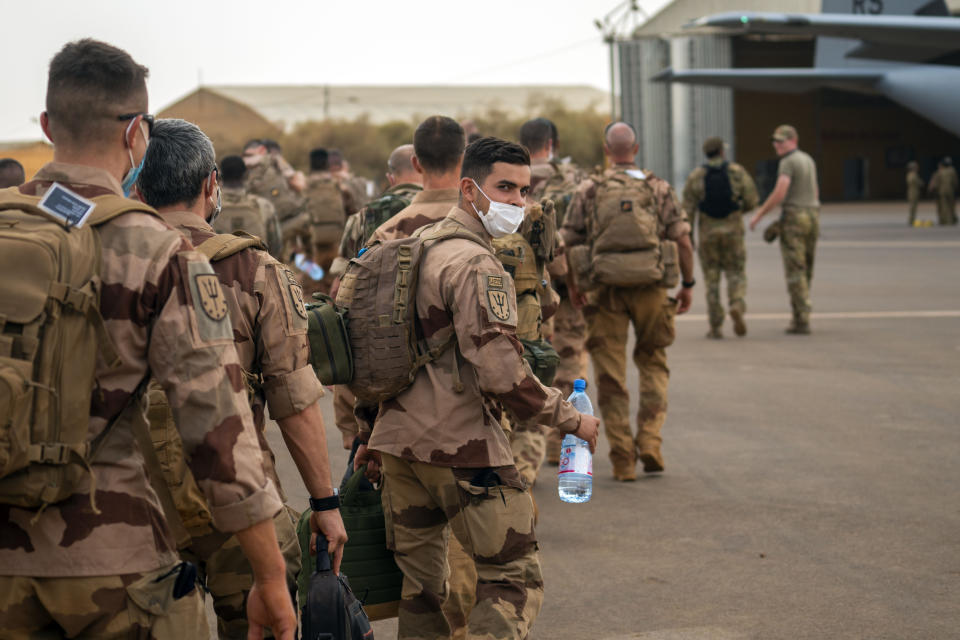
{"x": 559, "y": 188}
{"x": 241, "y": 212}
{"x": 50, "y": 334}
{"x": 325, "y": 204}
{"x": 266, "y": 181}
{"x": 623, "y": 229}
{"x": 184, "y": 494}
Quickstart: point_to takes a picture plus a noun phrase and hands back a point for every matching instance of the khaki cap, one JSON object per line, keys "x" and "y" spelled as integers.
{"x": 713, "y": 145}
{"x": 784, "y": 132}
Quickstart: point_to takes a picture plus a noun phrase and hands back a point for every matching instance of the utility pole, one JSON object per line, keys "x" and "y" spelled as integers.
{"x": 616, "y": 25}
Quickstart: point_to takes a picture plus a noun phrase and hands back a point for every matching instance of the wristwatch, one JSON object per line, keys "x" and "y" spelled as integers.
{"x": 689, "y": 285}
{"x": 326, "y": 504}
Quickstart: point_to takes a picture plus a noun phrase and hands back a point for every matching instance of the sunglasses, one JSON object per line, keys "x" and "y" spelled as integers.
{"x": 148, "y": 118}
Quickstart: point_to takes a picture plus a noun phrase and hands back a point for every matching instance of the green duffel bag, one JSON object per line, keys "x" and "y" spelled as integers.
{"x": 374, "y": 575}
{"x": 542, "y": 358}
{"x": 330, "y": 352}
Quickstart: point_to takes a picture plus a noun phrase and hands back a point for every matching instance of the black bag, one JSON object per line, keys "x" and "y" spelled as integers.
{"x": 331, "y": 611}
{"x": 718, "y": 194}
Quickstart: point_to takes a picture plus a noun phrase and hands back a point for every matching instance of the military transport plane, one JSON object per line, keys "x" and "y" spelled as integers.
{"x": 906, "y": 50}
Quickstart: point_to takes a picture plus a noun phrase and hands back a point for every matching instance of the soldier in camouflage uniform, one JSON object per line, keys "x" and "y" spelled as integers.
{"x": 558, "y": 182}
{"x": 721, "y": 247}
{"x": 353, "y": 186}
{"x": 270, "y": 177}
{"x": 914, "y": 190}
{"x": 798, "y": 192}
{"x": 75, "y": 570}
{"x": 235, "y": 196}
{"x": 266, "y": 309}
{"x": 610, "y": 310}
{"x": 944, "y": 184}
{"x": 451, "y": 469}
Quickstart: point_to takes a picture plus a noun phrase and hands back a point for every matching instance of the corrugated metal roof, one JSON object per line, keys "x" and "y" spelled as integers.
{"x": 288, "y": 105}
{"x": 671, "y": 18}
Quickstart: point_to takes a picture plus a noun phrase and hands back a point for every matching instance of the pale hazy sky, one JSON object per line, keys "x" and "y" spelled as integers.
{"x": 306, "y": 42}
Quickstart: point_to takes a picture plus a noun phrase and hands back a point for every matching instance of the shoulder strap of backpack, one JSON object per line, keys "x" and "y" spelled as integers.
{"x": 225, "y": 245}
{"x": 108, "y": 206}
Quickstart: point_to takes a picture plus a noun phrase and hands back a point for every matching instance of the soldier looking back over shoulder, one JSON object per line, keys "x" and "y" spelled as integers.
{"x": 720, "y": 192}
{"x": 101, "y": 562}
{"x": 799, "y": 194}
{"x": 243, "y": 211}
{"x": 265, "y": 305}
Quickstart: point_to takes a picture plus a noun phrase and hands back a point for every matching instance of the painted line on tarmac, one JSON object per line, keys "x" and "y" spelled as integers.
{"x": 878, "y": 244}
{"x": 838, "y": 315}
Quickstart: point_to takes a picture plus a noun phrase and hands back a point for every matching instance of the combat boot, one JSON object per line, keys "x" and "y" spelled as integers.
{"x": 739, "y": 326}
{"x": 715, "y": 333}
{"x": 798, "y": 328}
{"x": 624, "y": 466}
{"x": 652, "y": 460}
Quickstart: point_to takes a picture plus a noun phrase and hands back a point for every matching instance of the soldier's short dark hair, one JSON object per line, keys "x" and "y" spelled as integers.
{"x": 232, "y": 170}
{"x": 481, "y": 155}
{"x": 334, "y": 158}
{"x": 271, "y": 145}
{"x": 256, "y": 142}
{"x": 536, "y": 133}
{"x": 319, "y": 160}
{"x": 178, "y": 161}
{"x": 89, "y": 85}
{"x": 11, "y": 173}
{"x": 438, "y": 144}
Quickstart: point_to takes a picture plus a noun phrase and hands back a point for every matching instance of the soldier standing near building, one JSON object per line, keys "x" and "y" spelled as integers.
{"x": 558, "y": 182}
{"x": 242, "y": 211}
{"x": 721, "y": 192}
{"x": 914, "y": 189}
{"x": 798, "y": 192}
{"x": 451, "y": 468}
{"x": 269, "y": 178}
{"x": 631, "y": 225}
{"x": 944, "y": 183}
{"x": 265, "y": 305}
{"x": 101, "y": 562}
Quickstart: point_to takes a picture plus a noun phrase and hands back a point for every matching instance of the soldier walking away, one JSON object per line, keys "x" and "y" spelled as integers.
{"x": 626, "y": 237}
{"x": 798, "y": 194}
{"x": 450, "y": 469}
{"x": 265, "y": 306}
{"x": 11, "y": 173}
{"x": 327, "y": 206}
{"x": 944, "y": 184}
{"x": 88, "y": 552}
{"x": 914, "y": 190}
{"x": 354, "y": 186}
{"x": 557, "y": 182}
{"x": 244, "y": 211}
{"x": 719, "y": 193}
{"x": 268, "y": 176}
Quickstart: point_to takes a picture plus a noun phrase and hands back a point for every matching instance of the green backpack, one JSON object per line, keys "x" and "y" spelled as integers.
{"x": 382, "y": 209}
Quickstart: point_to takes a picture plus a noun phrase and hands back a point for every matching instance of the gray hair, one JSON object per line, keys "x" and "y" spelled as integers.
{"x": 179, "y": 158}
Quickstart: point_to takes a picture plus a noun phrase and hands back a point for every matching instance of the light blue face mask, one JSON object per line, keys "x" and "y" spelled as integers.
{"x": 131, "y": 178}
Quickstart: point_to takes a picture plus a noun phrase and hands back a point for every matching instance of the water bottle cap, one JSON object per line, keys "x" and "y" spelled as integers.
{"x": 579, "y": 384}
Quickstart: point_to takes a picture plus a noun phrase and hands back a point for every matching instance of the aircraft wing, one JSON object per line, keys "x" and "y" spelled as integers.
{"x": 908, "y": 38}
{"x": 787, "y": 80}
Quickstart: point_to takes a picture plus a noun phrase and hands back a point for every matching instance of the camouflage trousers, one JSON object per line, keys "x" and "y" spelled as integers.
{"x": 946, "y": 209}
{"x": 229, "y": 577}
{"x": 799, "y": 230}
{"x": 723, "y": 253}
{"x": 491, "y": 516}
{"x": 913, "y": 200}
{"x": 569, "y": 337}
{"x": 528, "y": 443}
{"x": 608, "y": 313}
{"x": 134, "y": 606}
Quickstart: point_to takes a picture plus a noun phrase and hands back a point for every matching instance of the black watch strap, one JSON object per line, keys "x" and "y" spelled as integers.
{"x": 326, "y": 504}
{"x": 688, "y": 285}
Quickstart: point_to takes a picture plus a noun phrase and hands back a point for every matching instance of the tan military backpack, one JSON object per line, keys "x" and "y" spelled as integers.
{"x": 378, "y": 292}
{"x": 180, "y": 495}
{"x": 240, "y": 212}
{"x": 325, "y": 204}
{"x": 559, "y": 188}
{"x": 623, "y": 230}
{"x": 51, "y": 335}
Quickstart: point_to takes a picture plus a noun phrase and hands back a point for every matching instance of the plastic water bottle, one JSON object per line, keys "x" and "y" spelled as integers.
{"x": 575, "y": 478}
{"x": 311, "y": 268}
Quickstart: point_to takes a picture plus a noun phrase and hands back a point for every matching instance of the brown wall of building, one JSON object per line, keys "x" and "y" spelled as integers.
{"x": 229, "y": 124}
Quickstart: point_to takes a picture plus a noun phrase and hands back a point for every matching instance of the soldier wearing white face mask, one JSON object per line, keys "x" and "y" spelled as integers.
{"x": 441, "y": 440}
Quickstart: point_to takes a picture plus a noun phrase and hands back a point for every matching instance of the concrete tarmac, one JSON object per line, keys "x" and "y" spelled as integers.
{"x": 811, "y": 487}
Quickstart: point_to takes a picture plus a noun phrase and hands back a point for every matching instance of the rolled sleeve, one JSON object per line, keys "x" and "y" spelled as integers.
{"x": 292, "y": 392}
{"x": 258, "y": 506}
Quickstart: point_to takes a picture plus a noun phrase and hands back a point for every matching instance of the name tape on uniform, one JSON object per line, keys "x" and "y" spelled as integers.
{"x": 65, "y": 205}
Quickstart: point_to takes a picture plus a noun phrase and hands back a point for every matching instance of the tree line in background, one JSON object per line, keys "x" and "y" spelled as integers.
{"x": 366, "y": 145}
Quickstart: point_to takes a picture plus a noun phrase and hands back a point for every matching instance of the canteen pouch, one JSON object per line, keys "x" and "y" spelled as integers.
{"x": 669, "y": 255}
{"x": 628, "y": 269}
{"x": 330, "y": 353}
{"x": 542, "y": 358}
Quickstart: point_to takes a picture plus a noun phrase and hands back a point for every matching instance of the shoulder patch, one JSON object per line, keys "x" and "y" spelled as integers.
{"x": 292, "y": 302}
{"x": 499, "y": 299}
{"x": 210, "y": 306}
{"x": 296, "y": 294}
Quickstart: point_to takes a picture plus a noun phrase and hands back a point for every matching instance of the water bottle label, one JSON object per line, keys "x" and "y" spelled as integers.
{"x": 576, "y": 459}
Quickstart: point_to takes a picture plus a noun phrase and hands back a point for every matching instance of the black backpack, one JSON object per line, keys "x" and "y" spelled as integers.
{"x": 331, "y": 611}
{"x": 718, "y": 199}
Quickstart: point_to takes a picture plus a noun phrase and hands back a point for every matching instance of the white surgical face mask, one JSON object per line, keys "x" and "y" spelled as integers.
{"x": 501, "y": 219}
